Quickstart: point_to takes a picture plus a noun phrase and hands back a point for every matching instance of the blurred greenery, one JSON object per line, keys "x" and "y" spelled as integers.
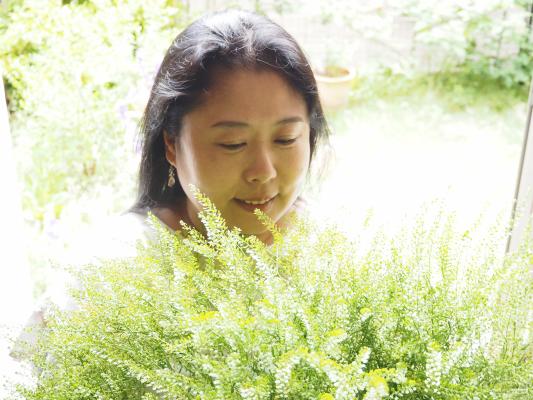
{"x": 480, "y": 39}
{"x": 74, "y": 74}
{"x": 484, "y": 40}
{"x": 456, "y": 91}
{"x": 77, "y": 75}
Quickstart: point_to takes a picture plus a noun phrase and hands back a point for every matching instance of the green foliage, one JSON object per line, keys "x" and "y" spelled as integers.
{"x": 479, "y": 40}
{"x": 455, "y": 91}
{"x": 431, "y": 313}
{"x": 76, "y": 74}
{"x": 485, "y": 40}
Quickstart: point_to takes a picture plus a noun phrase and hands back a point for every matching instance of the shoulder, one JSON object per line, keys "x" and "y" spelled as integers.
{"x": 300, "y": 205}
{"x": 307, "y": 208}
{"x": 297, "y": 209}
{"x": 112, "y": 237}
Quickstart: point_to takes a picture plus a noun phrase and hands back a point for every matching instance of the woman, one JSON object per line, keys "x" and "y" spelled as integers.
{"x": 234, "y": 111}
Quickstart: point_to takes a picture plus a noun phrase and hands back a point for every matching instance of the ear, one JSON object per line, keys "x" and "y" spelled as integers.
{"x": 170, "y": 148}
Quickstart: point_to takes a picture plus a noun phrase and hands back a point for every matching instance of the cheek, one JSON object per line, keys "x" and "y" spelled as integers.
{"x": 203, "y": 167}
{"x": 296, "y": 165}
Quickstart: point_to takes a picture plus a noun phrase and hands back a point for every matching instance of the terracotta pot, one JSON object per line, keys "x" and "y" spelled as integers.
{"x": 334, "y": 85}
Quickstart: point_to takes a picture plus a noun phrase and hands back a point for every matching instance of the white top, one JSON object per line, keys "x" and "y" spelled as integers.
{"x": 115, "y": 238}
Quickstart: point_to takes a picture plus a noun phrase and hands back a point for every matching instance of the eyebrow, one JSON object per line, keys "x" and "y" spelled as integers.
{"x": 239, "y": 124}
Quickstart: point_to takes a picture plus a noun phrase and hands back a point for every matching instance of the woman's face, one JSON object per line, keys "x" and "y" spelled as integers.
{"x": 248, "y": 142}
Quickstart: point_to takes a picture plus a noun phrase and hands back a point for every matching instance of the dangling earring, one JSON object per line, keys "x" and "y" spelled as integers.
{"x": 171, "y": 177}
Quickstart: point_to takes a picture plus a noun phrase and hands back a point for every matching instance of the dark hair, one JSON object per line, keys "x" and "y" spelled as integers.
{"x": 229, "y": 39}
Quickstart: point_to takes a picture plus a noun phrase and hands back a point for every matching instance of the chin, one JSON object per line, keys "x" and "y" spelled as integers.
{"x": 252, "y": 229}
{"x": 249, "y": 224}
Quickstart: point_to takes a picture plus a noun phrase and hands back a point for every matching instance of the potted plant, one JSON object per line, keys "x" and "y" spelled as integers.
{"x": 334, "y": 85}
{"x": 333, "y": 70}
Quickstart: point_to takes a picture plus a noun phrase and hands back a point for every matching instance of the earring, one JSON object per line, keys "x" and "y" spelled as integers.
{"x": 171, "y": 177}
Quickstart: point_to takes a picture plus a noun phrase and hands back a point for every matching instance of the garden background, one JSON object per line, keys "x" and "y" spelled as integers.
{"x": 437, "y": 110}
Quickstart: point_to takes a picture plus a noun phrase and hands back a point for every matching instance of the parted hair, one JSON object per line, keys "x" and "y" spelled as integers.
{"x": 231, "y": 39}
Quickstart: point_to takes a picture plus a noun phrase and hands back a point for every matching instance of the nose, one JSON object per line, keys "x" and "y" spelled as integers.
{"x": 261, "y": 167}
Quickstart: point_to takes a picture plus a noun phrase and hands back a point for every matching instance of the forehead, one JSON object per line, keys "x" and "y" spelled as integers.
{"x": 249, "y": 94}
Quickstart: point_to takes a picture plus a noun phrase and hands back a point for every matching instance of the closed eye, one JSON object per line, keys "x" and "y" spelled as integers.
{"x": 286, "y": 142}
{"x": 232, "y": 146}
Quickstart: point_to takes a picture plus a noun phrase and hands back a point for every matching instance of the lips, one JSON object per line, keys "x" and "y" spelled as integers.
{"x": 260, "y": 203}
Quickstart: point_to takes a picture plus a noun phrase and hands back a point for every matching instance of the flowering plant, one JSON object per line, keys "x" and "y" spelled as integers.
{"x": 432, "y": 314}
